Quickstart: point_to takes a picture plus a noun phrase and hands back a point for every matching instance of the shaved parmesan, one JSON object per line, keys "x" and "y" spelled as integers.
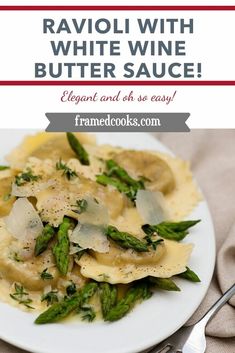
{"x": 151, "y": 206}
{"x": 90, "y": 231}
{"x": 95, "y": 213}
{"x": 23, "y": 222}
{"x": 74, "y": 248}
{"x": 90, "y": 236}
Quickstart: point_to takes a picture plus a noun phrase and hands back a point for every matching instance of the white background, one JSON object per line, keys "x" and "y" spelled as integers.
{"x": 117, "y": 2}
{"x": 25, "y": 107}
{"x": 24, "y": 42}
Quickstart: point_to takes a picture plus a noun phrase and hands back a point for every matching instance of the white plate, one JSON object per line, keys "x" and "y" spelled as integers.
{"x": 150, "y": 322}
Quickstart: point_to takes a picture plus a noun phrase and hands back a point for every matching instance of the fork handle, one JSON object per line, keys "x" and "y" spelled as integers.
{"x": 216, "y": 307}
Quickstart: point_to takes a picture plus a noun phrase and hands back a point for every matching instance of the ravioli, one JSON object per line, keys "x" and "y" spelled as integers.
{"x": 173, "y": 262}
{"x": 154, "y": 170}
{"x": 43, "y": 145}
{"x": 26, "y": 272}
{"x": 56, "y": 196}
{"x": 185, "y": 196}
{"x": 6, "y": 200}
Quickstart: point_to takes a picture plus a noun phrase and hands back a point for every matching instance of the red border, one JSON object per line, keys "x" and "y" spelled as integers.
{"x": 116, "y": 83}
{"x": 116, "y": 8}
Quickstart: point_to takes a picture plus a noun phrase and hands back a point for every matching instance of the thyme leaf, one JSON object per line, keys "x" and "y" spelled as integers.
{"x": 26, "y": 177}
{"x": 81, "y": 206}
{"x": 50, "y": 297}
{"x": 21, "y": 296}
{"x": 71, "y": 289}
{"x": 46, "y": 275}
{"x": 68, "y": 172}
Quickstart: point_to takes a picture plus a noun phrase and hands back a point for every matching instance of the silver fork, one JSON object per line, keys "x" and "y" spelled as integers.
{"x": 191, "y": 339}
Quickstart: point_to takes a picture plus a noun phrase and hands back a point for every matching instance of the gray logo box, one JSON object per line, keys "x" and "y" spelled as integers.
{"x": 117, "y": 122}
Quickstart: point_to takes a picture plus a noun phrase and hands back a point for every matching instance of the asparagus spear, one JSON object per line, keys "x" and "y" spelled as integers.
{"x": 190, "y": 275}
{"x": 126, "y": 240}
{"x": 120, "y": 179}
{"x": 108, "y": 297}
{"x": 4, "y": 167}
{"x": 164, "y": 283}
{"x": 170, "y": 230}
{"x": 77, "y": 147}
{"x": 61, "y": 248}
{"x": 122, "y": 187}
{"x": 88, "y": 313}
{"x": 107, "y": 180}
{"x": 181, "y": 226}
{"x": 138, "y": 291}
{"x": 115, "y": 170}
{"x": 59, "y": 311}
{"x": 43, "y": 239}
